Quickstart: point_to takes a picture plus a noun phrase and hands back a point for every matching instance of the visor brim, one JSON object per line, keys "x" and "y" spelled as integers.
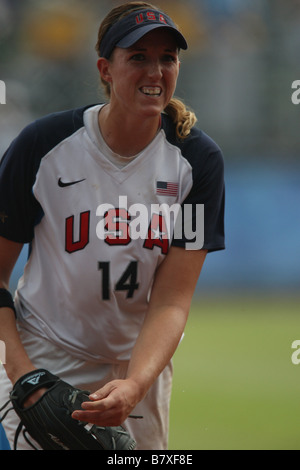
{"x": 138, "y": 33}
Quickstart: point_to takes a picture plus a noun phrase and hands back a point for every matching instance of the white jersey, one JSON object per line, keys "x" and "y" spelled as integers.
{"x": 95, "y": 238}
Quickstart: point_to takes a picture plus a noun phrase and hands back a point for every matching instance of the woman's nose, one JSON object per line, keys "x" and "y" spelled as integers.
{"x": 155, "y": 69}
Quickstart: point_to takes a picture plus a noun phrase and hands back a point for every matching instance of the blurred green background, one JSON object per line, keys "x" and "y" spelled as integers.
{"x": 235, "y": 385}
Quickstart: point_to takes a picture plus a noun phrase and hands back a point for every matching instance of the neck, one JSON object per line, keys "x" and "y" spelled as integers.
{"x": 127, "y": 137}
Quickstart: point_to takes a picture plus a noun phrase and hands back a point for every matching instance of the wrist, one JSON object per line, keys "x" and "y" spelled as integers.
{"x": 139, "y": 386}
{"x": 15, "y": 371}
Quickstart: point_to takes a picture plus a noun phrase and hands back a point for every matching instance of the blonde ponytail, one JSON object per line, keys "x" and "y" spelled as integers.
{"x": 184, "y": 118}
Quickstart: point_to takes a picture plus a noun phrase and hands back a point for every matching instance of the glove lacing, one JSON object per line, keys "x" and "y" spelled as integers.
{"x": 7, "y": 411}
{"x": 19, "y": 428}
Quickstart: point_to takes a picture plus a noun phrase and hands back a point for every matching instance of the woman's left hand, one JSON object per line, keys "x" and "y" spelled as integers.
{"x": 110, "y": 405}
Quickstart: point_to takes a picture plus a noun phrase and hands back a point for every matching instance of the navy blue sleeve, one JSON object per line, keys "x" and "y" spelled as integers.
{"x": 208, "y": 189}
{"x": 19, "y": 210}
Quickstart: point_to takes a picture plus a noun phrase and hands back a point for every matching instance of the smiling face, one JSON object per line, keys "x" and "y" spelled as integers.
{"x": 143, "y": 77}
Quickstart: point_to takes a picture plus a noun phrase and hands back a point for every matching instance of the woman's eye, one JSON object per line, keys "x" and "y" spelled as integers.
{"x": 170, "y": 58}
{"x": 165, "y": 58}
{"x": 138, "y": 57}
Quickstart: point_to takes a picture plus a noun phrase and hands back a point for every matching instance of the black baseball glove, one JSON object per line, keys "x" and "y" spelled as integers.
{"x": 49, "y": 421}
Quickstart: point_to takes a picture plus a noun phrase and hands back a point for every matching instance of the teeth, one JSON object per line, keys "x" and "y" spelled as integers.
{"x": 151, "y": 90}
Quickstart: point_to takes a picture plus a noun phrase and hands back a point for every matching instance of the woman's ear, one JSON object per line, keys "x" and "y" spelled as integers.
{"x": 103, "y": 67}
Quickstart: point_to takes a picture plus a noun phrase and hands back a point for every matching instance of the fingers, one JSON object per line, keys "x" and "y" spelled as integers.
{"x": 109, "y": 406}
{"x": 104, "y": 418}
{"x": 103, "y": 392}
{"x": 97, "y": 411}
{"x": 101, "y": 417}
{"x": 102, "y": 413}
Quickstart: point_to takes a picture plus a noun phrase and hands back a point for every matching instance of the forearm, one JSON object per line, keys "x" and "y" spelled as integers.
{"x": 156, "y": 345}
{"x": 17, "y": 360}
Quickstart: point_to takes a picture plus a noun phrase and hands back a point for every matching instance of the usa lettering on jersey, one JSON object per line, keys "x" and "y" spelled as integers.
{"x": 120, "y": 226}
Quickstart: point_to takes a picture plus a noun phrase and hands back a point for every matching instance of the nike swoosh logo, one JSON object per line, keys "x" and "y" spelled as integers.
{"x": 61, "y": 184}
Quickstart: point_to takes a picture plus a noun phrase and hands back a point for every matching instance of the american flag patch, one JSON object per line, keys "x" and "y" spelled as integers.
{"x": 166, "y": 188}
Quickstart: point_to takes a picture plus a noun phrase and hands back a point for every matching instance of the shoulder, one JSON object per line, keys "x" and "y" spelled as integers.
{"x": 53, "y": 128}
{"x": 199, "y": 149}
{"x": 70, "y": 120}
{"x": 42, "y": 135}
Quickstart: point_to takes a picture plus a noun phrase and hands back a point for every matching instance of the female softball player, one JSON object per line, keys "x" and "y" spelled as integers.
{"x": 106, "y": 291}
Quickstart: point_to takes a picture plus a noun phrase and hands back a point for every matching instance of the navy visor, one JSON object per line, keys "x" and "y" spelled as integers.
{"x": 134, "y": 26}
